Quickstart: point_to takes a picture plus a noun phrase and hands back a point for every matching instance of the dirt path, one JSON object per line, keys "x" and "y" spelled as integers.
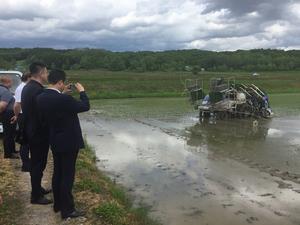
{"x": 38, "y": 214}
{"x": 35, "y": 214}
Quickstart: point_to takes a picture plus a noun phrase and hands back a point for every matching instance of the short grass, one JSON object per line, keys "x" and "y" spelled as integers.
{"x": 11, "y": 207}
{"x": 104, "y": 201}
{"x": 111, "y": 212}
{"x": 10, "y": 210}
{"x": 106, "y": 84}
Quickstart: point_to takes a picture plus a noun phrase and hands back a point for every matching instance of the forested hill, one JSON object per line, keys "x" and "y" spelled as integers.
{"x": 177, "y": 60}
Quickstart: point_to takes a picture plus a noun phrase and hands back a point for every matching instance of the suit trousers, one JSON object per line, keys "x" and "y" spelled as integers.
{"x": 24, "y": 147}
{"x": 63, "y": 180}
{"x": 9, "y": 132}
{"x": 39, "y": 155}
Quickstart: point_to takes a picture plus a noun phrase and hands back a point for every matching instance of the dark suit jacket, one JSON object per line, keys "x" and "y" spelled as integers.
{"x": 60, "y": 113}
{"x": 34, "y": 130}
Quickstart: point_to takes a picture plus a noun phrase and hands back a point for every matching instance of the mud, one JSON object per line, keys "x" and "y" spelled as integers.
{"x": 209, "y": 172}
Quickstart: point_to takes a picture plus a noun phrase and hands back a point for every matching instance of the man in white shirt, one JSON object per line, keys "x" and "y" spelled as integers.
{"x": 24, "y": 147}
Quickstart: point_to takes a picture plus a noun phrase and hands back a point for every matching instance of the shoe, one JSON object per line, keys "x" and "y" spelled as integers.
{"x": 74, "y": 214}
{"x": 41, "y": 201}
{"x": 46, "y": 191}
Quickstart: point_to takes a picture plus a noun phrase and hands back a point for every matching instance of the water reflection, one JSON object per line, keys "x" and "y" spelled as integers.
{"x": 273, "y": 143}
{"x": 183, "y": 178}
{"x": 228, "y": 133}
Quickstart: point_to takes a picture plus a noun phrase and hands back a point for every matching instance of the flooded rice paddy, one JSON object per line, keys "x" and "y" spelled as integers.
{"x": 192, "y": 173}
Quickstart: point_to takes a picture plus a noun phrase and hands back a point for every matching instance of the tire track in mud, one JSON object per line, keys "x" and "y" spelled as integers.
{"x": 199, "y": 192}
{"x": 274, "y": 172}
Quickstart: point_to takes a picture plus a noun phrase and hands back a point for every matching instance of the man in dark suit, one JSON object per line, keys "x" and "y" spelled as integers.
{"x": 60, "y": 112}
{"x": 35, "y": 133}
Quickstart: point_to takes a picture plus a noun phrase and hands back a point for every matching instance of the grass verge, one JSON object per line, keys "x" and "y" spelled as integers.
{"x": 11, "y": 205}
{"x": 104, "y": 201}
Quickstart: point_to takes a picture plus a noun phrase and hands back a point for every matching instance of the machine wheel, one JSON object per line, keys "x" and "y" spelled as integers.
{"x": 222, "y": 115}
{"x": 200, "y": 114}
{"x": 245, "y": 111}
{"x": 206, "y": 114}
{"x": 265, "y": 113}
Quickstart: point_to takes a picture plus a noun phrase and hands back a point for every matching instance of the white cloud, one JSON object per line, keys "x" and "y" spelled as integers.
{"x": 278, "y": 29}
{"x": 150, "y": 24}
{"x": 253, "y": 14}
{"x": 231, "y": 43}
{"x": 295, "y": 9}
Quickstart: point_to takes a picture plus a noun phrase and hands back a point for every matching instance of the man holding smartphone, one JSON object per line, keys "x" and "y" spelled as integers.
{"x": 60, "y": 113}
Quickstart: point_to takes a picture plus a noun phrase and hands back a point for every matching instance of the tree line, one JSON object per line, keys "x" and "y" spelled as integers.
{"x": 176, "y": 60}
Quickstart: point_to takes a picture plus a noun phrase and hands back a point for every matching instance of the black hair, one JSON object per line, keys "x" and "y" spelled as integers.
{"x": 56, "y": 75}
{"x": 25, "y": 77}
{"x": 36, "y": 67}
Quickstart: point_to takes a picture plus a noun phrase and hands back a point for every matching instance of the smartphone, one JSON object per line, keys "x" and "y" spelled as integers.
{"x": 72, "y": 87}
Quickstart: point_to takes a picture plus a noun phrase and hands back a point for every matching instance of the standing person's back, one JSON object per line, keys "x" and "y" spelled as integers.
{"x": 60, "y": 111}
{"x": 34, "y": 129}
{"x": 36, "y": 134}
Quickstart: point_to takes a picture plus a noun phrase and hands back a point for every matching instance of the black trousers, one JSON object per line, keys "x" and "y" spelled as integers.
{"x": 39, "y": 155}
{"x": 63, "y": 180}
{"x": 9, "y": 132}
{"x": 24, "y": 147}
{"x": 24, "y": 153}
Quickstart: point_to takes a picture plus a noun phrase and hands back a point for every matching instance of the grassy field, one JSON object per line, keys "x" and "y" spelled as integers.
{"x": 107, "y": 84}
{"x": 176, "y": 107}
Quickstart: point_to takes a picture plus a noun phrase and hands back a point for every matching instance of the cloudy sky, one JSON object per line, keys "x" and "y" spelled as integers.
{"x": 151, "y": 24}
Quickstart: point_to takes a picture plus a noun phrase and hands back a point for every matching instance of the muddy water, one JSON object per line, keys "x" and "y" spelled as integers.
{"x": 210, "y": 172}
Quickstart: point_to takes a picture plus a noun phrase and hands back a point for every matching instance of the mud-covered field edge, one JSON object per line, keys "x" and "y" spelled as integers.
{"x": 103, "y": 201}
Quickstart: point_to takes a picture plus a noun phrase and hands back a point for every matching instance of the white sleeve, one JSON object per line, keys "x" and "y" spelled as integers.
{"x": 18, "y": 94}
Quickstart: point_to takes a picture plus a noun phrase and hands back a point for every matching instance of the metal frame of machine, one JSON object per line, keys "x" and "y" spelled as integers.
{"x": 226, "y": 99}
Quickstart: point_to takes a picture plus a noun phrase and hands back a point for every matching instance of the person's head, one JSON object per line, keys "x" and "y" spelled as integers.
{"x": 57, "y": 79}
{"x": 26, "y": 77}
{"x": 6, "y": 81}
{"x": 39, "y": 71}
